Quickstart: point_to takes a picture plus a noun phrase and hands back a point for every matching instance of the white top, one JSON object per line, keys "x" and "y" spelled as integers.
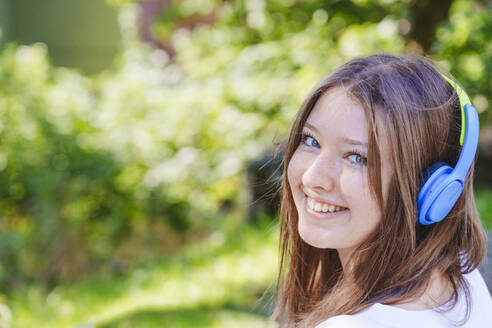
{"x": 386, "y": 316}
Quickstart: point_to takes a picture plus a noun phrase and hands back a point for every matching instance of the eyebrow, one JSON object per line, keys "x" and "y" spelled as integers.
{"x": 344, "y": 139}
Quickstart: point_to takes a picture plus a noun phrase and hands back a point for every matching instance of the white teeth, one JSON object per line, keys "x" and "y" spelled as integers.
{"x": 322, "y": 207}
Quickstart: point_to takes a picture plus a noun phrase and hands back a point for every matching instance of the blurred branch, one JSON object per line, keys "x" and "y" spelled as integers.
{"x": 154, "y": 10}
{"x": 150, "y": 11}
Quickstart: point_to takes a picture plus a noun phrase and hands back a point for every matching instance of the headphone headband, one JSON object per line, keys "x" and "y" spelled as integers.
{"x": 464, "y": 99}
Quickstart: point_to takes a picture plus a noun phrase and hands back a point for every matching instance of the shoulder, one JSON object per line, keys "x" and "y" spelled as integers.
{"x": 479, "y": 296}
{"x": 380, "y": 315}
{"x": 480, "y": 300}
{"x": 345, "y": 321}
{"x": 476, "y": 282}
{"x": 371, "y": 317}
{"x": 384, "y": 316}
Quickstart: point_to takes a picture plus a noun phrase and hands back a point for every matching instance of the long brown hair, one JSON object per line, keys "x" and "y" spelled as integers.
{"x": 420, "y": 112}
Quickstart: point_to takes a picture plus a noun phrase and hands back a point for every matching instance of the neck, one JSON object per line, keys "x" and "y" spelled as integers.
{"x": 344, "y": 255}
{"x": 437, "y": 293}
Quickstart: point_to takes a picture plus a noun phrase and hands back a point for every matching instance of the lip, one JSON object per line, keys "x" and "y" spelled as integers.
{"x": 322, "y": 200}
{"x": 325, "y": 215}
{"x": 319, "y": 200}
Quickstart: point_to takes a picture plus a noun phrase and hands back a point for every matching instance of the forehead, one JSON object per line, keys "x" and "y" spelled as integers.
{"x": 337, "y": 115}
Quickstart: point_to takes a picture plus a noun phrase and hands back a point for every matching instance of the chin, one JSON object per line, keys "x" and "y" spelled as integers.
{"x": 312, "y": 238}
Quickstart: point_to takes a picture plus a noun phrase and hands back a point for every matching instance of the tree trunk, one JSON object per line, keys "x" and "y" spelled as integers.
{"x": 425, "y": 16}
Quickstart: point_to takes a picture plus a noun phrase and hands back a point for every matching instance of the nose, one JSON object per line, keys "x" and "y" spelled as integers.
{"x": 320, "y": 174}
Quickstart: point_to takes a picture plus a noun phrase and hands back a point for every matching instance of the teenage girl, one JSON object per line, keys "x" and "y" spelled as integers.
{"x": 379, "y": 226}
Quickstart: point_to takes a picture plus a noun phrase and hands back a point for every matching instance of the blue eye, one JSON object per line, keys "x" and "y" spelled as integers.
{"x": 308, "y": 140}
{"x": 357, "y": 159}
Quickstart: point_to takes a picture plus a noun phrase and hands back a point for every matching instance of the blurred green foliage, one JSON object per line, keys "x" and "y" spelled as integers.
{"x": 464, "y": 46}
{"x": 142, "y": 158}
{"x": 483, "y": 199}
{"x": 320, "y": 35}
{"x": 214, "y": 283}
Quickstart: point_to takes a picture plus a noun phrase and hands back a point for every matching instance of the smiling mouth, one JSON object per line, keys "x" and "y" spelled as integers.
{"x": 323, "y": 208}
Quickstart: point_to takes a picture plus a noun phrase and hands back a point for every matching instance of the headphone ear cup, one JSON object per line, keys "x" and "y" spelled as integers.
{"x": 430, "y": 170}
{"x": 433, "y": 178}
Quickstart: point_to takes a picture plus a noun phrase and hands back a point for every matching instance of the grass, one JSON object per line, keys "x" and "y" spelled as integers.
{"x": 215, "y": 283}
{"x": 194, "y": 318}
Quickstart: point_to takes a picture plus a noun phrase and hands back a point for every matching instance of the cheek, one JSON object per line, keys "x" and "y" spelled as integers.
{"x": 352, "y": 184}
{"x": 290, "y": 172}
{"x": 295, "y": 171}
{"x": 355, "y": 189}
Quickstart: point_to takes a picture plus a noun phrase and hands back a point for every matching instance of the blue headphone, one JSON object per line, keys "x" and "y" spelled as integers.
{"x": 443, "y": 184}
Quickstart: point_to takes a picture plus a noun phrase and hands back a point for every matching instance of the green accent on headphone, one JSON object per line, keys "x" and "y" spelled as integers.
{"x": 464, "y": 99}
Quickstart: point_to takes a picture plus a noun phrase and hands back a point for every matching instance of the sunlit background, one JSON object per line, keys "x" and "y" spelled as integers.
{"x": 137, "y": 139}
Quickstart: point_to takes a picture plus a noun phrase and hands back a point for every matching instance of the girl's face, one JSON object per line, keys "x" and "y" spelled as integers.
{"x": 328, "y": 176}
